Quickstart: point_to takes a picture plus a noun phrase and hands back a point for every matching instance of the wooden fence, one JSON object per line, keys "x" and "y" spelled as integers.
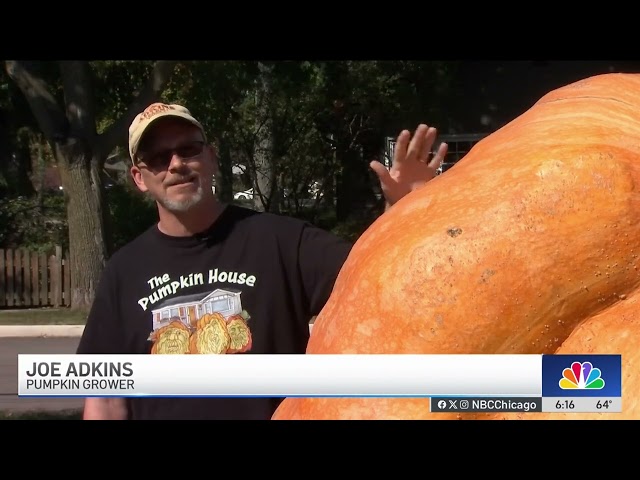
{"x": 32, "y": 279}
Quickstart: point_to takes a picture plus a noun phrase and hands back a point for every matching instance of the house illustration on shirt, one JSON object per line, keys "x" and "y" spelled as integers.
{"x": 189, "y": 308}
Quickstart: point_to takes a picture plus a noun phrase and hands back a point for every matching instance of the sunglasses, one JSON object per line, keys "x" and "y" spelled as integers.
{"x": 161, "y": 160}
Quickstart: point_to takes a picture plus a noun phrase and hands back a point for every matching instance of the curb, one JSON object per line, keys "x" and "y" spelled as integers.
{"x": 7, "y": 331}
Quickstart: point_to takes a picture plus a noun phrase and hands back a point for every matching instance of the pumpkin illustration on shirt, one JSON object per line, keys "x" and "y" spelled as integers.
{"x": 239, "y": 333}
{"x": 211, "y": 335}
{"x": 171, "y": 339}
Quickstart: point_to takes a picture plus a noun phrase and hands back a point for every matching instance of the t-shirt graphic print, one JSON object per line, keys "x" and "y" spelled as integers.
{"x": 210, "y": 323}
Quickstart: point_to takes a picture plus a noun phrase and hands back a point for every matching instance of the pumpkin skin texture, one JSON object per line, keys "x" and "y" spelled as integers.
{"x": 529, "y": 244}
{"x": 614, "y": 331}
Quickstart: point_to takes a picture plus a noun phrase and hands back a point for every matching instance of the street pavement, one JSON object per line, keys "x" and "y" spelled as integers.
{"x": 10, "y": 347}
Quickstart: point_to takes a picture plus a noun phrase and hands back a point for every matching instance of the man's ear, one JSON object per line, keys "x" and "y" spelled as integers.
{"x": 136, "y": 175}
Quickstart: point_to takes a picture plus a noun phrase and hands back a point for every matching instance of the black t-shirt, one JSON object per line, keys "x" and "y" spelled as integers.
{"x": 265, "y": 275}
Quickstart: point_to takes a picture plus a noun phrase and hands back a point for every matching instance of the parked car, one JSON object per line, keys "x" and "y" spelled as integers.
{"x": 244, "y": 195}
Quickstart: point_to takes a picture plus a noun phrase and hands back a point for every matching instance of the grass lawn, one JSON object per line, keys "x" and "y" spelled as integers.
{"x": 42, "y": 415}
{"x": 42, "y": 316}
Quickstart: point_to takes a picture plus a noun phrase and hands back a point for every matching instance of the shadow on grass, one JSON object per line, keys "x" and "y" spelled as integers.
{"x": 42, "y": 415}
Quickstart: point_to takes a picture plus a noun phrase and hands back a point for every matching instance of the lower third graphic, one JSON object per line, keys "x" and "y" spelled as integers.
{"x": 486, "y": 404}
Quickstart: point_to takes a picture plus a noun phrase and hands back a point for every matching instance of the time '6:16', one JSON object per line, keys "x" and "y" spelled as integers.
{"x": 564, "y": 404}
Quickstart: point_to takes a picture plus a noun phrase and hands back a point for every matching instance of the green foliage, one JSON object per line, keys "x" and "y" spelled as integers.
{"x": 181, "y": 83}
{"x": 34, "y": 223}
{"x": 131, "y": 213}
{"x": 40, "y": 225}
{"x": 5, "y": 91}
{"x": 351, "y": 229}
{"x": 325, "y": 218}
{"x": 325, "y": 117}
{"x": 120, "y": 80}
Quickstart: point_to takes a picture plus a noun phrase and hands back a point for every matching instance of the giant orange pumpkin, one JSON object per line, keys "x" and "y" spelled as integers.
{"x": 530, "y": 244}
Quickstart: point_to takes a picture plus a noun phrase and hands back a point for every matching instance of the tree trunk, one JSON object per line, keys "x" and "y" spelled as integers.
{"x": 347, "y": 181}
{"x": 82, "y": 185}
{"x": 224, "y": 179}
{"x": 80, "y": 153}
{"x": 5, "y": 150}
{"x": 39, "y": 177}
{"x": 265, "y": 188}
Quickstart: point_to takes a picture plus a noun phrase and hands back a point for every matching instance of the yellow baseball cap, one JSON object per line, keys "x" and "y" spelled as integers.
{"x": 152, "y": 113}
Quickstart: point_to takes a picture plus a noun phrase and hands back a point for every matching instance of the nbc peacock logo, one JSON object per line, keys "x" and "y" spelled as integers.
{"x": 582, "y": 376}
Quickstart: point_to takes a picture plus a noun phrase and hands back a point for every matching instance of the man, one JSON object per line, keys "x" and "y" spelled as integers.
{"x": 210, "y": 278}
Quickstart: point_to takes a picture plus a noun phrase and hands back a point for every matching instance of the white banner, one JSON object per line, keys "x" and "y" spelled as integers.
{"x": 279, "y": 375}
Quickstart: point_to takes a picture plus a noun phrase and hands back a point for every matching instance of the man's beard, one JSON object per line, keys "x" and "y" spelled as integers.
{"x": 181, "y": 206}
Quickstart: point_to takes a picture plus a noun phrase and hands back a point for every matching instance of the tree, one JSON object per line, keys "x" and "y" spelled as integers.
{"x": 64, "y": 106}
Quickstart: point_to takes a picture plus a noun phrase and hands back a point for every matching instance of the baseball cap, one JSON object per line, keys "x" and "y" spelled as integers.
{"x": 152, "y": 113}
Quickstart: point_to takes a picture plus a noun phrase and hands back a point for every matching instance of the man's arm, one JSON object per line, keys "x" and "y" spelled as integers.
{"x": 103, "y": 335}
{"x": 321, "y": 255}
{"x": 105, "y": 409}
